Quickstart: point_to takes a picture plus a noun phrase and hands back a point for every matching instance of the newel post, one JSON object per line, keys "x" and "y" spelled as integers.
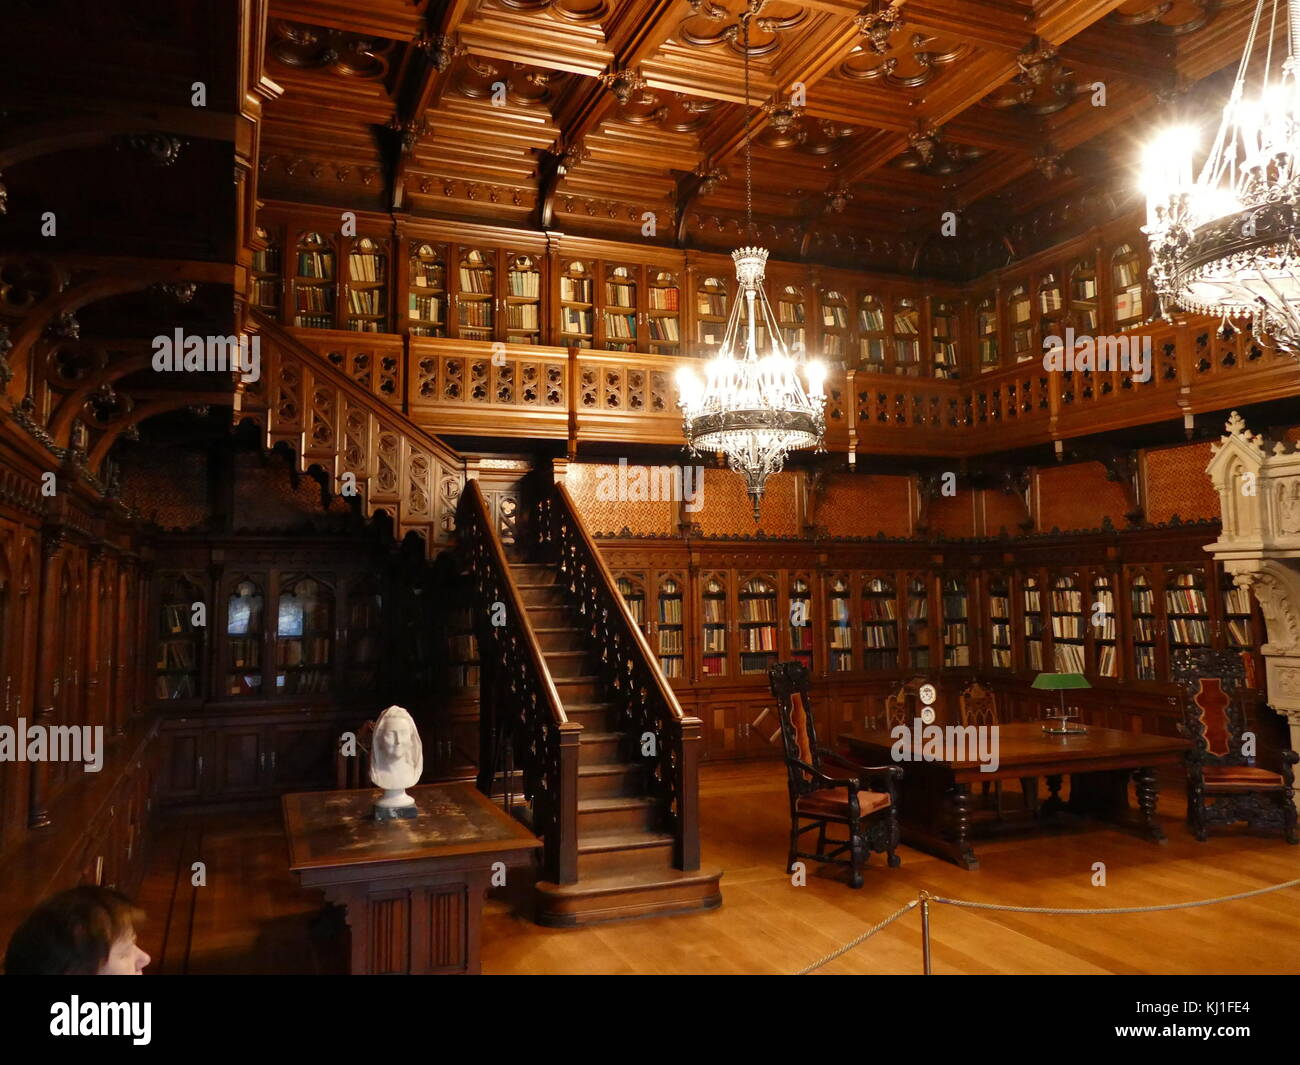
{"x": 564, "y": 847}
{"x": 687, "y": 786}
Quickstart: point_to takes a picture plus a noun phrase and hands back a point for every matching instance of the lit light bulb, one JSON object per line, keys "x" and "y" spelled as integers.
{"x": 815, "y": 372}
{"x": 688, "y": 386}
{"x": 1167, "y": 162}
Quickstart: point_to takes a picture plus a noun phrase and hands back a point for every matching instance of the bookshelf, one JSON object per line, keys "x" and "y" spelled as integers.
{"x": 801, "y": 622}
{"x": 1142, "y": 607}
{"x": 1051, "y": 307}
{"x": 907, "y": 343}
{"x": 839, "y": 627}
{"x": 1126, "y": 290}
{"x": 365, "y": 298}
{"x": 918, "y": 624}
{"x": 427, "y": 296}
{"x": 304, "y": 637}
{"x": 266, "y": 275}
{"x": 945, "y": 328}
{"x": 711, "y": 307}
{"x": 663, "y": 313}
{"x": 1018, "y": 312}
{"x": 1238, "y": 615}
{"x": 834, "y": 311}
{"x": 577, "y": 307}
{"x": 1186, "y": 610}
{"x": 671, "y": 630}
{"x": 1102, "y": 624}
{"x": 986, "y": 333}
{"x": 364, "y": 637}
{"x": 757, "y": 617}
{"x": 1068, "y": 636}
{"x": 1083, "y": 296}
{"x": 871, "y": 332}
{"x": 791, "y": 318}
{"x": 956, "y": 623}
{"x": 1032, "y": 609}
{"x": 244, "y": 619}
{"x": 713, "y": 626}
{"x": 632, "y": 589}
{"x": 179, "y": 671}
{"x": 523, "y": 300}
{"x": 879, "y": 623}
{"x": 999, "y": 608}
{"x": 619, "y": 312}
{"x": 313, "y": 282}
{"x": 462, "y": 650}
{"x": 476, "y": 294}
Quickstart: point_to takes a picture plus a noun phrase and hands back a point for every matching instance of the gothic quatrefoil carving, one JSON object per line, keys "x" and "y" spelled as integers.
{"x": 1172, "y": 18}
{"x": 711, "y": 23}
{"x": 893, "y": 56}
{"x": 579, "y": 11}
{"x": 315, "y": 47}
{"x": 1043, "y": 86}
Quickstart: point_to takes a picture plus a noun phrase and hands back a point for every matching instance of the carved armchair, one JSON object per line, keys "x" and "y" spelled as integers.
{"x": 979, "y": 707}
{"x": 1224, "y": 785}
{"x": 870, "y": 816}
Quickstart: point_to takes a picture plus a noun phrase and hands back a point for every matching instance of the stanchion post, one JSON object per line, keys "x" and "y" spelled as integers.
{"x": 925, "y": 932}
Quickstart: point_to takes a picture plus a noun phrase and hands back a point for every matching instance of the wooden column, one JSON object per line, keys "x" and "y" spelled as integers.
{"x": 52, "y": 544}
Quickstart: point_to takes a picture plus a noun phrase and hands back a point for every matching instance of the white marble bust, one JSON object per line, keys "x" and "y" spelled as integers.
{"x": 396, "y": 760}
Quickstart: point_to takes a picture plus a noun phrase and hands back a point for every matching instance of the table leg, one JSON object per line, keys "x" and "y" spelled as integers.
{"x": 1148, "y": 790}
{"x": 960, "y": 800}
{"x": 1053, "y": 804}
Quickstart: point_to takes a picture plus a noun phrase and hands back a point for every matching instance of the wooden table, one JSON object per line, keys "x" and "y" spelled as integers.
{"x": 935, "y": 797}
{"x": 413, "y": 888}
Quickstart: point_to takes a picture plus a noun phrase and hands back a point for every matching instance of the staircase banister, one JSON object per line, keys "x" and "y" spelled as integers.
{"x": 472, "y": 496}
{"x": 376, "y": 406}
{"x": 607, "y": 578}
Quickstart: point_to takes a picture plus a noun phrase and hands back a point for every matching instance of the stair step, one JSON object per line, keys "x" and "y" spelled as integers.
{"x": 534, "y": 571}
{"x": 597, "y": 747}
{"x": 578, "y": 690}
{"x": 623, "y": 852}
{"x": 561, "y": 639}
{"x": 594, "y": 716}
{"x": 568, "y": 663}
{"x": 610, "y": 779}
{"x": 636, "y": 893}
{"x": 554, "y": 617}
{"x": 617, "y": 813}
{"x": 539, "y": 595}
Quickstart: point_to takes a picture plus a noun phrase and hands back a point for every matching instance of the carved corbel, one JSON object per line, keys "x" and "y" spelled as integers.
{"x": 702, "y": 181}
{"x": 553, "y": 167}
{"x": 1276, "y": 586}
{"x": 1017, "y": 483}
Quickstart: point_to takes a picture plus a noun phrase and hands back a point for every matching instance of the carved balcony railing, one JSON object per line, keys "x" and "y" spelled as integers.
{"x": 648, "y": 711}
{"x": 342, "y": 424}
{"x": 518, "y": 700}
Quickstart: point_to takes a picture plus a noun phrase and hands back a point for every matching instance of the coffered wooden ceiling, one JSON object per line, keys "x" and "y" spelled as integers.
{"x": 592, "y": 116}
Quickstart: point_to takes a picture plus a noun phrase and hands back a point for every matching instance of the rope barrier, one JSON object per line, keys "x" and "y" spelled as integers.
{"x": 924, "y": 898}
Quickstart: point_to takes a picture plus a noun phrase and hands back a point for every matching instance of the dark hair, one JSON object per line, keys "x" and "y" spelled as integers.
{"x": 71, "y": 933}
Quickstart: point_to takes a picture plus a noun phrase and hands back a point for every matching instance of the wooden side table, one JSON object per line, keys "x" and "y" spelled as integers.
{"x": 413, "y": 888}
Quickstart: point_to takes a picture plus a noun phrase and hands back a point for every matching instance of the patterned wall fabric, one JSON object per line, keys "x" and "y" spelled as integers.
{"x": 1176, "y": 483}
{"x": 596, "y": 488}
{"x": 953, "y": 516}
{"x": 1078, "y": 496}
{"x": 866, "y": 505}
{"x": 728, "y": 510}
{"x": 1001, "y": 511}
{"x": 169, "y": 486}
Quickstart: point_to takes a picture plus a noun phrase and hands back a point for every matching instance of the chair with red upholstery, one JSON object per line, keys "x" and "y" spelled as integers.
{"x": 1224, "y": 785}
{"x": 870, "y": 815}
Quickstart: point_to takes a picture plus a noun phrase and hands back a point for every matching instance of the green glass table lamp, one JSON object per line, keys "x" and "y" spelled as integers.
{"x": 1062, "y": 682}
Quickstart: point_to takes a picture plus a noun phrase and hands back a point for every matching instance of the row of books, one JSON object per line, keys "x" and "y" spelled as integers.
{"x": 475, "y": 315}
{"x": 841, "y": 638}
{"x": 715, "y": 612}
{"x": 314, "y": 297}
{"x": 245, "y": 654}
{"x": 1000, "y": 606}
{"x": 1236, "y": 601}
{"x": 907, "y": 351}
{"x": 477, "y": 280}
{"x": 1144, "y": 662}
{"x": 1001, "y": 657}
{"x": 314, "y": 321}
{"x": 1106, "y": 630}
{"x": 1128, "y": 304}
{"x": 714, "y": 666}
{"x": 712, "y": 304}
{"x": 304, "y": 651}
{"x": 672, "y": 667}
{"x": 956, "y": 657}
{"x": 906, "y": 323}
{"x": 664, "y": 329}
{"x": 918, "y": 609}
{"x": 878, "y": 609}
{"x": 1067, "y": 626}
{"x": 670, "y": 611}
{"x": 1069, "y": 657}
{"x": 266, "y": 261}
{"x": 954, "y": 606}
{"x": 176, "y": 654}
{"x": 956, "y": 634}
{"x": 835, "y": 317}
{"x": 1001, "y": 634}
{"x": 1143, "y": 601}
{"x": 1189, "y": 632}
{"x": 620, "y": 295}
{"x": 575, "y": 289}
{"x": 871, "y": 349}
{"x": 362, "y": 325}
{"x": 428, "y": 308}
{"x": 266, "y": 293}
{"x": 318, "y": 264}
{"x": 636, "y": 607}
{"x": 521, "y": 316}
{"x": 989, "y": 351}
{"x": 1185, "y": 601}
{"x": 1049, "y": 299}
{"x": 1066, "y": 601}
{"x": 574, "y": 320}
{"x": 758, "y": 638}
{"x": 1144, "y": 629}
{"x": 176, "y": 617}
{"x": 305, "y": 682}
{"x": 363, "y": 266}
{"x": 430, "y": 275}
{"x": 879, "y": 636}
{"x": 1239, "y": 632}
{"x": 1083, "y": 288}
{"x": 524, "y": 283}
{"x": 1107, "y": 660}
{"x": 664, "y": 299}
{"x": 620, "y": 326}
{"x": 763, "y": 609}
{"x": 1020, "y": 311}
{"x": 365, "y": 301}
{"x": 791, "y": 314}
{"x": 943, "y": 325}
{"x": 715, "y": 641}
{"x": 670, "y": 641}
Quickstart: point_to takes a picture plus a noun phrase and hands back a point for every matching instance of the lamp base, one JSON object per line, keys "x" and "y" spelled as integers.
{"x": 1065, "y": 730}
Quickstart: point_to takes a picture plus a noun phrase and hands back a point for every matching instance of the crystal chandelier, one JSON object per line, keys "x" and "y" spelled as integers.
{"x": 753, "y": 409}
{"x": 1226, "y": 243}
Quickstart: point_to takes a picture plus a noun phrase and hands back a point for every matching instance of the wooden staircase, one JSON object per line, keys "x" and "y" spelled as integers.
{"x": 625, "y": 865}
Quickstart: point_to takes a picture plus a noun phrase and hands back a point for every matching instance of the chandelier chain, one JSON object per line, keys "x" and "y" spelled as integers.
{"x": 749, "y": 166}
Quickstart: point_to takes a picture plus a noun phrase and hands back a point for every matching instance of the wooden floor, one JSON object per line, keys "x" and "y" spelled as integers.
{"x": 252, "y": 917}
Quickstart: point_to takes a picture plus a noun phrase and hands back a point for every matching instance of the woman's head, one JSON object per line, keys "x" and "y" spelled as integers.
{"x": 85, "y": 931}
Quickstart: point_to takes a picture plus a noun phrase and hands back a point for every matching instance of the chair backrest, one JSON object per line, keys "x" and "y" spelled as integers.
{"x": 979, "y": 706}
{"x": 899, "y": 708}
{"x": 354, "y": 771}
{"x": 1212, "y": 717}
{"x": 790, "y": 686}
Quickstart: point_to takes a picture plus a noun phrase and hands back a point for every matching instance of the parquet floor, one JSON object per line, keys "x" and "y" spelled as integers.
{"x": 253, "y": 918}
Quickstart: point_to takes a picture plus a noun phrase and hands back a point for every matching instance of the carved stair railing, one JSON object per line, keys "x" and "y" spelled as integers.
{"x": 518, "y": 699}
{"x": 365, "y": 446}
{"x": 647, "y": 707}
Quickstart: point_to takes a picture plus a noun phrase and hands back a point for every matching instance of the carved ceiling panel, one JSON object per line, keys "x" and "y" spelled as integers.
{"x": 813, "y": 136}
{"x": 515, "y": 83}
{"x": 930, "y": 153}
{"x": 1170, "y": 17}
{"x": 1044, "y": 86}
{"x": 579, "y": 12}
{"x": 710, "y": 23}
{"x": 673, "y": 111}
{"x": 900, "y": 55}
{"x": 305, "y": 47}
